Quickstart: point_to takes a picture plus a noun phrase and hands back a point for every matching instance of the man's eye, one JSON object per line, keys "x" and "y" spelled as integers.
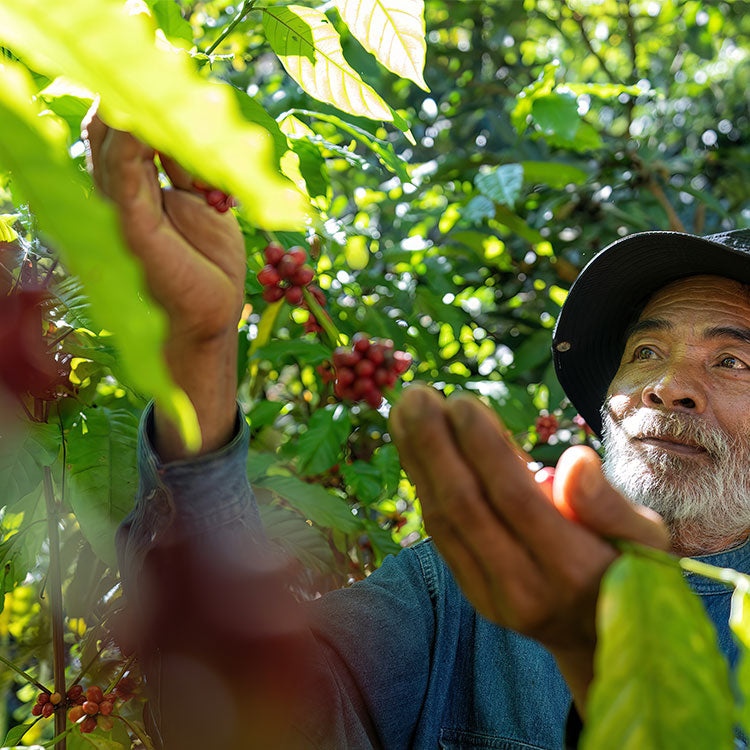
{"x": 732, "y": 363}
{"x": 645, "y": 352}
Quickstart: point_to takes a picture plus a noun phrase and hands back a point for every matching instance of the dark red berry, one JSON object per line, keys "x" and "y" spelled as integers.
{"x": 214, "y": 197}
{"x": 105, "y": 708}
{"x": 88, "y": 725}
{"x": 76, "y": 713}
{"x": 381, "y": 376}
{"x": 272, "y": 293}
{"x": 91, "y": 708}
{"x": 36, "y": 710}
{"x": 376, "y": 353}
{"x": 274, "y": 253}
{"x": 75, "y": 692}
{"x": 42, "y": 698}
{"x": 361, "y": 342}
{"x": 47, "y": 710}
{"x": 294, "y": 295}
{"x": 374, "y": 398}
{"x": 364, "y": 368}
{"x": 268, "y": 276}
{"x": 343, "y": 357}
{"x": 362, "y": 386}
{"x": 286, "y": 267}
{"x": 94, "y": 693}
{"x": 345, "y": 376}
{"x": 297, "y": 254}
{"x": 401, "y": 362}
{"x": 319, "y": 295}
{"x": 303, "y": 276}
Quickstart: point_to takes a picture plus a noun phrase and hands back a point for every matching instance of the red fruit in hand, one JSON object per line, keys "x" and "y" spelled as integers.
{"x": 364, "y": 368}
{"x": 36, "y": 710}
{"x": 286, "y": 267}
{"x": 298, "y": 255}
{"x": 268, "y": 276}
{"x": 360, "y": 342}
{"x": 215, "y": 197}
{"x": 105, "y": 708}
{"x": 303, "y": 276}
{"x": 91, "y": 708}
{"x": 94, "y": 693}
{"x": 88, "y": 725}
{"x": 343, "y": 357}
{"x": 274, "y": 253}
{"x": 272, "y": 293}
{"x": 294, "y": 295}
{"x": 75, "y": 692}
{"x": 47, "y": 710}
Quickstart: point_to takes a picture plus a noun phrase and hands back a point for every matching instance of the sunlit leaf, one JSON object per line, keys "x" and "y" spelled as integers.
{"x": 155, "y": 94}
{"x": 103, "y": 476}
{"x": 739, "y": 623}
{"x": 556, "y": 114}
{"x": 661, "y": 682}
{"x": 169, "y": 18}
{"x": 86, "y": 231}
{"x": 321, "y": 446}
{"x": 502, "y": 184}
{"x": 7, "y": 233}
{"x": 525, "y": 99}
{"x": 552, "y": 173}
{"x": 309, "y": 48}
{"x": 602, "y": 90}
{"x": 393, "y": 31}
{"x": 23, "y": 456}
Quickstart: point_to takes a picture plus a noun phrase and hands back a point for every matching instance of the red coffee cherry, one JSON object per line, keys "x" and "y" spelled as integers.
{"x": 303, "y": 276}
{"x": 105, "y": 707}
{"x": 546, "y": 426}
{"x": 88, "y": 725}
{"x": 345, "y": 376}
{"x": 272, "y": 293}
{"x": 42, "y": 698}
{"x": 360, "y": 342}
{"x": 273, "y": 253}
{"x": 364, "y": 368}
{"x": 343, "y": 357}
{"x": 36, "y": 709}
{"x": 286, "y": 267}
{"x": 319, "y": 295}
{"x": 94, "y": 693}
{"x": 298, "y": 255}
{"x": 91, "y": 708}
{"x": 47, "y": 710}
{"x": 76, "y": 691}
{"x": 294, "y": 295}
{"x": 268, "y": 276}
{"x": 76, "y": 713}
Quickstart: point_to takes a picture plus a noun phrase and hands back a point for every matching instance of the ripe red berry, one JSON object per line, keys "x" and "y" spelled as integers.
{"x": 303, "y": 276}
{"x": 94, "y": 693}
{"x": 268, "y": 276}
{"x": 36, "y": 709}
{"x": 298, "y": 255}
{"x": 401, "y": 362}
{"x": 286, "y": 267}
{"x": 362, "y": 386}
{"x": 47, "y": 710}
{"x": 76, "y": 713}
{"x": 274, "y": 253}
{"x": 361, "y": 342}
{"x": 343, "y": 357}
{"x": 42, "y": 698}
{"x": 345, "y": 376}
{"x": 364, "y": 368}
{"x": 88, "y": 725}
{"x": 374, "y": 398}
{"x": 294, "y": 295}
{"x": 376, "y": 353}
{"x": 215, "y": 197}
{"x": 105, "y": 708}
{"x": 91, "y": 708}
{"x": 75, "y": 692}
{"x": 381, "y": 376}
{"x": 272, "y": 293}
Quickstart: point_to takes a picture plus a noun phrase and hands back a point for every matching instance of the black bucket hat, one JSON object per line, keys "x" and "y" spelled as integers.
{"x": 611, "y": 291}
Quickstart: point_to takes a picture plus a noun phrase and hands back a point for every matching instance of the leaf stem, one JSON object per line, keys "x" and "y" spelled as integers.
{"x": 247, "y": 6}
{"x": 26, "y": 676}
{"x": 54, "y": 583}
{"x": 120, "y": 674}
{"x": 144, "y": 739}
{"x": 330, "y": 330}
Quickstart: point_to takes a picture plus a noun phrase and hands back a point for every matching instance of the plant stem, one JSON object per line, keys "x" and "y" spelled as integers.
{"x": 246, "y": 7}
{"x": 145, "y": 741}
{"x": 54, "y": 585}
{"x": 331, "y": 332}
{"x": 26, "y": 676}
{"x": 120, "y": 674}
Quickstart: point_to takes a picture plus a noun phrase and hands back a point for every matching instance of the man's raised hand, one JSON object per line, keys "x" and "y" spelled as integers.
{"x": 518, "y": 560}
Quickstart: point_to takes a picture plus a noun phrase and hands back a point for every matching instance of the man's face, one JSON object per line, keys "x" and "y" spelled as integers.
{"x": 678, "y": 411}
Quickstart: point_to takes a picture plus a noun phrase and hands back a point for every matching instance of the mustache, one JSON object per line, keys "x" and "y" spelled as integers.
{"x": 679, "y": 427}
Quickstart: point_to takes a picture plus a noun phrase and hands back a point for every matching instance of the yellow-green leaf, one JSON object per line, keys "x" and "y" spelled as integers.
{"x": 86, "y": 233}
{"x": 739, "y": 622}
{"x": 156, "y": 95}
{"x": 7, "y": 233}
{"x": 393, "y": 31}
{"x": 309, "y": 47}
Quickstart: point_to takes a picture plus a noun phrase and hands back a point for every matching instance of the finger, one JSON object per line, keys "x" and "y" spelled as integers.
{"x": 93, "y": 132}
{"x": 178, "y": 176}
{"x": 580, "y": 484}
{"x": 456, "y": 512}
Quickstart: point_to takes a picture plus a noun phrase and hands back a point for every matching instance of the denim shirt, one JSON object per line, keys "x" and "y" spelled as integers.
{"x": 415, "y": 664}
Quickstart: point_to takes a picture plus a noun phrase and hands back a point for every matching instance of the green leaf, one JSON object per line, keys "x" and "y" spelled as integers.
{"x": 382, "y": 541}
{"x": 22, "y": 457}
{"x": 393, "y": 31}
{"x": 87, "y": 234}
{"x": 170, "y": 21}
{"x": 525, "y": 99}
{"x": 264, "y": 413}
{"x": 480, "y": 207}
{"x": 516, "y": 224}
{"x": 382, "y": 149}
{"x": 312, "y": 167}
{"x": 304, "y": 351}
{"x": 309, "y": 48}
{"x": 7, "y": 233}
{"x": 365, "y": 481}
{"x": 93, "y": 741}
{"x": 15, "y": 734}
{"x": 155, "y": 94}
{"x": 103, "y": 476}
{"x": 253, "y": 111}
{"x": 552, "y": 173}
{"x": 556, "y": 114}
{"x": 534, "y": 350}
{"x": 387, "y": 461}
{"x": 502, "y": 184}
{"x": 321, "y": 446}
{"x": 313, "y": 501}
{"x": 258, "y": 464}
{"x": 660, "y": 682}
{"x": 739, "y": 623}
{"x": 68, "y": 101}
{"x": 601, "y": 90}
{"x": 297, "y": 537}
{"x": 514, "y": 406}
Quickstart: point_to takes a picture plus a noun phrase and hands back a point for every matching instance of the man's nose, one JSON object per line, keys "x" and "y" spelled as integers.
{"x": 675, "y": 392}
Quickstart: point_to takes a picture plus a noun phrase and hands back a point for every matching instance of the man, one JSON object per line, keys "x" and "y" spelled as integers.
{"x": 491, "y": 649}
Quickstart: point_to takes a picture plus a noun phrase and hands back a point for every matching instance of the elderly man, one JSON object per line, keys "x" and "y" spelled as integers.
{"x": 492, "y": 648}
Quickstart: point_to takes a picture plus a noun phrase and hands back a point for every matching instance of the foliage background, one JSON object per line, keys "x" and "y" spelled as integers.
{"x": 626, "y": 116}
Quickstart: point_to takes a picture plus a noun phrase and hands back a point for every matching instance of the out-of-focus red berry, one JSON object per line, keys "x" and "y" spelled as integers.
{"x": 273, "y": 253}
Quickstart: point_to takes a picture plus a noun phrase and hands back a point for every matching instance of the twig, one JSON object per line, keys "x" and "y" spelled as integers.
{"x": 120, "y": 674}
{"x": 247, "y": 6}
{"x": 578, "y": 18}
{"x": 675, "y": 223}
{"x": 630, "y": 24}
{"x": 54, "y": 582}
{"x": 88, "y": 666}
{"x": 26, "y": 676}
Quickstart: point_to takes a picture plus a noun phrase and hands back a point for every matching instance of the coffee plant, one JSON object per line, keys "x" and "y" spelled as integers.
{"x": 416, "y": 191}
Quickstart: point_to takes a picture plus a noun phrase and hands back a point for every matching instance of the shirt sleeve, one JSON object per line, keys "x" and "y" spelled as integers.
{"x": 219, "y": 635}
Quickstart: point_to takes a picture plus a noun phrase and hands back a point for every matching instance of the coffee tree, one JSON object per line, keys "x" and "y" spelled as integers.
{"x": 417, "y": 190}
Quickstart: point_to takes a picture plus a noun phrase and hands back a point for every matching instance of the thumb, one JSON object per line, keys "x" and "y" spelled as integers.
{"x": 580, "y": 487}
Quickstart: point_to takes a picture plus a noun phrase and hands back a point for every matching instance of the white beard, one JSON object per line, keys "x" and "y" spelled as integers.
{"x": 704, "y": 503}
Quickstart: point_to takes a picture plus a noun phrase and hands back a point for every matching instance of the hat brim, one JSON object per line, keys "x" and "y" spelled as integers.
{"x": 608, "y": 294}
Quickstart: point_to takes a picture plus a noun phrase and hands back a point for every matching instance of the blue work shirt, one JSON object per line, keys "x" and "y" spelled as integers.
{"x": 414, "y": 664}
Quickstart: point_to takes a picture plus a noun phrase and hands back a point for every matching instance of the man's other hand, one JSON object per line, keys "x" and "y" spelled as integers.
{"x": 518, "y": 560}
{"x": 194, "y": 263}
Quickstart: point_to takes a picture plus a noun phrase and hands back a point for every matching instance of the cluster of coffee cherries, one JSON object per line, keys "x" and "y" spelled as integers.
{"x": 46, "y": 703}
{"x": 285, "y": 274}
{"x": 215, "y": 198}
{"x": 95, "y": 706}
{"x": 546, "y": 426}
{"x": 367, "y": 367}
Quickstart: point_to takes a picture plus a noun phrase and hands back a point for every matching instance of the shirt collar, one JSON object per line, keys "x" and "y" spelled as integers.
{"x": 737, "y": 557}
